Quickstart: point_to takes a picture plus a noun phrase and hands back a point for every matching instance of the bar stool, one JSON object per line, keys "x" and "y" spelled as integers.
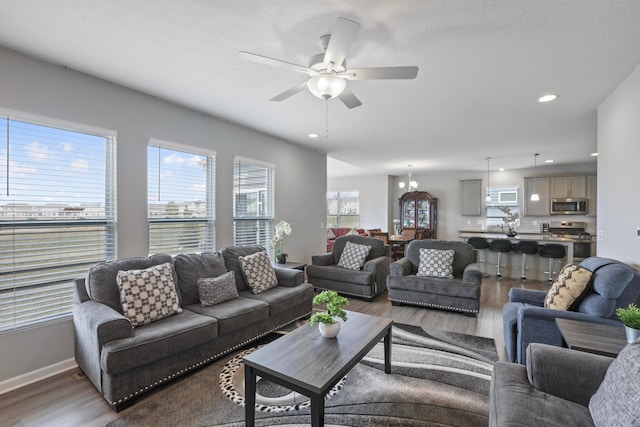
{"x": 480, "y": 244}
{"x": 553, "y": 251}
{"x": 501, "y": 246}
{"x": 525, "y": 247}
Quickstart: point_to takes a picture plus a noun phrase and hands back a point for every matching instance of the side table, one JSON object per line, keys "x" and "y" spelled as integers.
{"x": 598, "y": 338}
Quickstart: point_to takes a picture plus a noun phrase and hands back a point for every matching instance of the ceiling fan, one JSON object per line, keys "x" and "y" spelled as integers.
{"x": 328, "y": 71}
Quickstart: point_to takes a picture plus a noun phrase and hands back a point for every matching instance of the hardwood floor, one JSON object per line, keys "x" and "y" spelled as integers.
{"x": 70, "y": 400}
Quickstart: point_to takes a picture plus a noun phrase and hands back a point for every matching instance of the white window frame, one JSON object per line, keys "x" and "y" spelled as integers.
{"x": 179, "y": 233}
{"x": 493, "y": 215}
{"x": 342, "y": 210}
{"x": 253, "y": 182}
{"x": 36, "y": 283}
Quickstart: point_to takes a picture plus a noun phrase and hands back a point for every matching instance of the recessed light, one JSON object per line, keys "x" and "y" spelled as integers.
{"x": 313, "y": 135}
{"x": 594, "y": 154}
{"x": 501, "y": 169}
{"x": 548, "y": 97}
{"x": 549, "y": 161}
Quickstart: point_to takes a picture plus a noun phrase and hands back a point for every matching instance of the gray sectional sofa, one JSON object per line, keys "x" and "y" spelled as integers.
{"x": 123, "y": 362}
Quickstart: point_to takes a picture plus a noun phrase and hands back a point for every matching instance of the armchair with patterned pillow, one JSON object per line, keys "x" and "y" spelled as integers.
{"x": 437, "y": 274}
{"x": 356, "y": 266}
{"x": 589, "y": 292}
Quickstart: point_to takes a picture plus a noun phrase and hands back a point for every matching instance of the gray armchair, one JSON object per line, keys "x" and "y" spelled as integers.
{"x": 525, "y": 319}
{"x": 324, "y": 272}
{"x": 462, "y": 293}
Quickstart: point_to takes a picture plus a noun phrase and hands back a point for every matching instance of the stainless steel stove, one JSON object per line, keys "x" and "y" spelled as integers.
{"x": 575, "y": 231}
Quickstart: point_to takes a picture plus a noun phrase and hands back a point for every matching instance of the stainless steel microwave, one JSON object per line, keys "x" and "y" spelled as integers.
{"x": 569, "y": 206}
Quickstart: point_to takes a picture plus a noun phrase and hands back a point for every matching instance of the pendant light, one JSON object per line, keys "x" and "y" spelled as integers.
{"x": 488, "y": 196}
{"x": 535, "y": 197}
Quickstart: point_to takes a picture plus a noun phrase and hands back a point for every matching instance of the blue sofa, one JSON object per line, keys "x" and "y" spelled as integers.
{"x": 613, "y": 284}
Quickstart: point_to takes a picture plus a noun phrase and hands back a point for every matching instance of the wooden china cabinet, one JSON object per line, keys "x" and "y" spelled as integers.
{"x": 419, "y": 212}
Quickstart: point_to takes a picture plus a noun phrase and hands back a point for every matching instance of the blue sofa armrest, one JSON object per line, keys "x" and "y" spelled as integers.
{"x": 527, "y": 296}
{"x": 323, "y": 260}
{"x": 538, "y": 324}
{"x": 288, "y": 277}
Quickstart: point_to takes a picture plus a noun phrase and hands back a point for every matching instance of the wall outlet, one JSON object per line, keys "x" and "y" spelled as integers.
{"x": 600, "y": 235}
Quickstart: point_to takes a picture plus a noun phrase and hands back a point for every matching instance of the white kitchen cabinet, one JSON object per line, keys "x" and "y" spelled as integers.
{"x": 542, "y": 206}
{"x": 568, "y": 186}
{"x": 471, "y": 197}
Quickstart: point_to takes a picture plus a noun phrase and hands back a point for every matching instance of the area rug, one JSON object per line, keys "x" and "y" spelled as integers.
{"x": 438, "y": 379}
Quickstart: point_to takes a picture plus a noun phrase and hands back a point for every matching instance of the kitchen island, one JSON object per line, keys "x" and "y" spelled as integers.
{"x": 536, "y": 265}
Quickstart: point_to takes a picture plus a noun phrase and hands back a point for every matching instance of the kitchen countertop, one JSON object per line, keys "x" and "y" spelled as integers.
{"x": 520, "y": 236}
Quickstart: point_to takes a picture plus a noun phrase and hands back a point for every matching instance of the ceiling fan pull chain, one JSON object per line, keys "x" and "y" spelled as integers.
{"x": 326, "y": 118}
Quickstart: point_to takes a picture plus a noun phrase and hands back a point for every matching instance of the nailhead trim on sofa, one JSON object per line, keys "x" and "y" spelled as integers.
{"x": 465, "y": 310}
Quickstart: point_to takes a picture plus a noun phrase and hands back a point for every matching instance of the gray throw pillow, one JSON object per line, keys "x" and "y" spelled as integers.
{"x": 617, "y": 400}
{"x": 353, "y": 256}
{"x": 214, "y": 290}
{"x": 258, "y": 272}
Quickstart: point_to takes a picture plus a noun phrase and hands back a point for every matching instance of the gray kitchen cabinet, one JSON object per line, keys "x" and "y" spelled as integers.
{"x": 542, "y": 206}
{"x": 568, "y": 186}
{"x": 471, "y": 197}
{"x": 592, "y": 194}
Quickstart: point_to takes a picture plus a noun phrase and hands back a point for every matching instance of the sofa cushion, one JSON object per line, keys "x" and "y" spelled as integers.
{"x": 101, "y": 280}
{"x": 436, "y": 263}
{"x": 338, "y": 274}
{"x": 191, "y": 267}
{"x": 235, "y": 314}
{"x": 434, "y": 285}
{"x": 231, "y": 255}
{"x": 148, "y": 295}
{"x": 283, "y": 298}
{"x": 158, "y": 340}
{"x": 258, "y": 272}
{"x": 617, "y": 400}
{"x": 214, "y": 290}
{"x": 465, "y": 254}
{"x": 353, "y": 256}
{"x": 569, "y": 286}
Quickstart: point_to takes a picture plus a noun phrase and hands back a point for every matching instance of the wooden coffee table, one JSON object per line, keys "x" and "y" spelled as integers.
{"x": 306, "y": 362}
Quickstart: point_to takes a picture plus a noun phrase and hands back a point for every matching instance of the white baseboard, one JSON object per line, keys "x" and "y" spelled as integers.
{"x": 37, "y": 375}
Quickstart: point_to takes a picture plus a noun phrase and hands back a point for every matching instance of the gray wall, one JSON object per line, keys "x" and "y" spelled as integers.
{"x": 619, "y": 172}
{"x": 375, "y": 206}
{"x": 32, "y": 87}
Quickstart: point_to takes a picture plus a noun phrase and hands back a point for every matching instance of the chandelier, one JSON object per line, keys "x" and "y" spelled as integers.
{"x": 413, "y": 185}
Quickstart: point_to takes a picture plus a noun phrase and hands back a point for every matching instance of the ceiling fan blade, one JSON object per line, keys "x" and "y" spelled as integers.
{"x": 276, "y": 63}
{"x": 343, "y": 33}
{"x": 290, "y": 92}
{"x": 349, "y": 99}
{"x": 380, "y": 73}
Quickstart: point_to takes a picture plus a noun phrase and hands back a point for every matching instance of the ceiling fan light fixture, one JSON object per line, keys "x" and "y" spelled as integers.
{"x": 326, "y": 86}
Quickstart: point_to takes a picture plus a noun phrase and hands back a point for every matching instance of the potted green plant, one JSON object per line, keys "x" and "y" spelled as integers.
{"x": 327, "y": 320}
{"x": 630, "y": 317}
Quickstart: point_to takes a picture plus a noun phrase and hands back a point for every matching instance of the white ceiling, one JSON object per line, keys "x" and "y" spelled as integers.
{"x": 483, "y": 64}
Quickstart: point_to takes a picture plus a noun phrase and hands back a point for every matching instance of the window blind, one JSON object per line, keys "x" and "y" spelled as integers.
{"x": 253, "y": 203}
{"x": 57, "y": 209}
{"x": 180, "y": 200}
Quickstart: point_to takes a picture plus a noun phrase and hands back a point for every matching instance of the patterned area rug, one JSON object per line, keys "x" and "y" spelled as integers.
{"x": 438, "y": 379}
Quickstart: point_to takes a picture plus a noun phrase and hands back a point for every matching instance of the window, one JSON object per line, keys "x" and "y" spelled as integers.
{"x": 180, "y": 200}
{"x": 253, "y": 203}
{"x": 502, "y": 197}
{"x": 56, "y": 217}
{"x": 343, "y": 209}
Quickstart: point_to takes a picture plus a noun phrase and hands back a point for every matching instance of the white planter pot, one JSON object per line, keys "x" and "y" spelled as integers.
{"x": 329, "y": 330}
{"x": 632, "y": 334}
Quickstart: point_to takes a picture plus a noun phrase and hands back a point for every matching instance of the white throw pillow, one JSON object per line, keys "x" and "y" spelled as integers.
{"x": 353, "y": 232}
{"x": 330, "y": 234}
{"x": 353, "y": 256}
{"x": 258, "y": 272}
{"x": 436, "y": 263}
{"x": 148, "y": 295}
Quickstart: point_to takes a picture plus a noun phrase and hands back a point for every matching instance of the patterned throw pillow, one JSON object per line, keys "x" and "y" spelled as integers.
{"x": 353, "y": 256}
{"x": 214, "y": 290}
{"x": 258, "y": 272}
{"x": 571, "y": 283}
{"x": 436, "y": 263}
{"x": 148, "y": 295}
{"x": 330, "y": 234}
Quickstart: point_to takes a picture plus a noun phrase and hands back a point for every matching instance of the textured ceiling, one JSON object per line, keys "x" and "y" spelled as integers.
{"x": 483, "y": 64}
